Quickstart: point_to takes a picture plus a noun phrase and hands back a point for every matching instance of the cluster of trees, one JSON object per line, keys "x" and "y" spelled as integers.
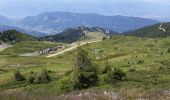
{"x": 13, "y": 36}
{"x": 151, "y": 31}
{"x": 43, "y": 77}
{"x": 87, "y": 75}
{"x": 84, "y": 75}
{"x": 68, "y": 36}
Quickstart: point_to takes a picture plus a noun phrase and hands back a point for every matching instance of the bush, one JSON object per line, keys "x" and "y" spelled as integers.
{"x": 31, "y": 79}
{"x": 85, "y": 73}
{"x": 104, "y": 38}
{"x": 85, "y": 79}
{"x": 107, "y": 68}
{"x": 18, "y": 76}
{"x": 66, "y": 85}
{"x": 116, "y": 75}
{"x": 168, "y": 50}
{"x": 44, "y": 77}
{"x": 109, "y": 77}
{"x": 132, "y": 70}
{"x": 67, "y": 73}
{"x": 140, "y": 62}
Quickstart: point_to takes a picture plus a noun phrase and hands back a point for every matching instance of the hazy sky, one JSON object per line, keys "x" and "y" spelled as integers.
{"x": 143, "y": 8}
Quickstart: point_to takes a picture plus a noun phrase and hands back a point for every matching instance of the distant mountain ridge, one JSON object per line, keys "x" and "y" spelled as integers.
{"x": 4, "y": 20}
{"x": 160, "y": 30}
{"x": 55, "y": 22}
{"x": 68, "y": 36}
{"x": 27, "y": 31}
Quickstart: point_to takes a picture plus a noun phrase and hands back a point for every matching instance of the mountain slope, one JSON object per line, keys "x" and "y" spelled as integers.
{"x": 4, "y": 20}
{"x": 154, "y": 31}
{"x": 78, "y": 34}
{"x": 13, "y": 36}
{"x": 27, "y": 31}
{"x": 54, "y": 22}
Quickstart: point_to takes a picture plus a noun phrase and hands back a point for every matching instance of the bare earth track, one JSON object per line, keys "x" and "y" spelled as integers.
{"x": 73, "y": 46}
{"x": 161, "y": 28}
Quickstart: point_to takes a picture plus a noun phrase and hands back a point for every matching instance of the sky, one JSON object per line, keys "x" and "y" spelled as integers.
{"x": 157, "y": 9}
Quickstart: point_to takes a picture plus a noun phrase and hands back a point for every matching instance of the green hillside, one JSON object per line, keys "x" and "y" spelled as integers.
{"x": 78, "y": 34}
{"x": 29, "y": 47}
{"x": 145, "y": 62}
{"x": 153, "y": 31}
{"x": 13, "y": 36}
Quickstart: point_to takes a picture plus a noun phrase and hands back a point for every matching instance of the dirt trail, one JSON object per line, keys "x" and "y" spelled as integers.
{"x": 161, "y": 28}
{"x": 72, "y": 47}
{"x": 4, "y": 46}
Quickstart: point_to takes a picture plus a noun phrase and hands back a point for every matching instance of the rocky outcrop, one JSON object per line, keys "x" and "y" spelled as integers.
{"x": 44, "y": 51}
{"x": 49, "y": 50}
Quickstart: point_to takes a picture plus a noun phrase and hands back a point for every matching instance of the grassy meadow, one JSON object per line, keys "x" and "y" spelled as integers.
{"x": 145, "y": 61}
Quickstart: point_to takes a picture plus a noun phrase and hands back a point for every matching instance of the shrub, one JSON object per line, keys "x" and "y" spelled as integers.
{"x": 132, "y": 70}
{"x": 44, "y": 77}
{"x": 31, "y": 72}
{"x": 140, "y": 62}
{"x": 85, "y": 73}
{"x": 168, "y": 50}
{"x": 119, "y": 74}
{"x": 83, "y": 62}
{"x": 65, "y": 85}
{"x": 104, "y": 38}
{"x": 49, "y": 71}
{"x": 68, "y": 72}
{"x": 107, "y": 68}
{"x": 31, "y": 79}
{"x": 85, "y": 79}
{"x": 18, "y": 76}
{"x": 109, "y": 77}
{"x": 116, "y": 75}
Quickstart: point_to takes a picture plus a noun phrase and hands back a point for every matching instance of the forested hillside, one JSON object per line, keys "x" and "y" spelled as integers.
{"x": 161, "y": 30}
{"x": 13, "y": 36}
{"x": 75, "y": 34}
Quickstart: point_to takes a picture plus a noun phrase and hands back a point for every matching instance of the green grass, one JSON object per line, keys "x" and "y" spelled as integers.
{"x": 28, "y": 47}
{"x": 93, "y": 36}
{"x": 122, "y": 52}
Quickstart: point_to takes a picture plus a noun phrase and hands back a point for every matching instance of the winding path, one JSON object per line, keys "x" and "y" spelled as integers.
{"x": 161, "y": 28}
{"x": 73, "y": 46}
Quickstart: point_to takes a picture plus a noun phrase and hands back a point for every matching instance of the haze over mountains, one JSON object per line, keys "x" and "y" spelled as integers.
{"x": 28, "y": 31}
{"x": 56, "y": 22}
{"x": 4, "y": 20}
{"x": 53, "y": 22}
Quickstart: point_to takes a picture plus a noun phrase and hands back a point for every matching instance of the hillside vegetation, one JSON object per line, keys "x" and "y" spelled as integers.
{"x": 161, "y": 30}
{"x": 29, "y": 47}
{"x": 13, "y": 36}
{"x": 78, "y": 34}
{"x": 138, "y": 68}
